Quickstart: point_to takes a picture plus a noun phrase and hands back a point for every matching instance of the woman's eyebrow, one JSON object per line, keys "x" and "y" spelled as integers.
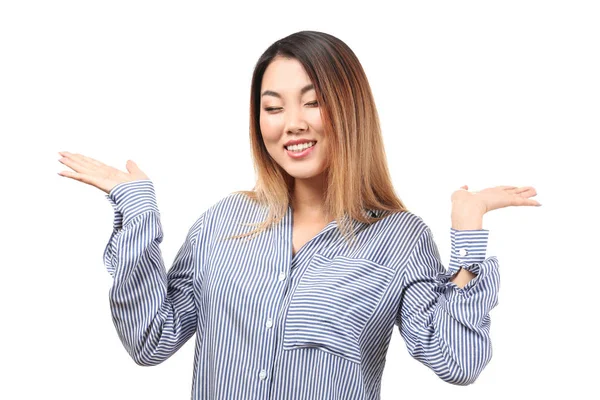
{"x": 305, "y": 89}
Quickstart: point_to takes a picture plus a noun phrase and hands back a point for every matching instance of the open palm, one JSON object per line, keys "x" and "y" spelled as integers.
{"x": 96, "y": 173}
{"x": 497, "y": 197}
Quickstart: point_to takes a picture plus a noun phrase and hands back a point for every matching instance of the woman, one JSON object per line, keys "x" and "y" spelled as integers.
{"x": 294, "y": 288}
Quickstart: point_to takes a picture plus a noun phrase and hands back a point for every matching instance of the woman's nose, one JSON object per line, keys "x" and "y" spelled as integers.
{"x": 295, "y": 121}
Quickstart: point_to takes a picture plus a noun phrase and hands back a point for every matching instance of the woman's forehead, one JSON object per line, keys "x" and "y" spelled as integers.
{"x": 285, "y": 76}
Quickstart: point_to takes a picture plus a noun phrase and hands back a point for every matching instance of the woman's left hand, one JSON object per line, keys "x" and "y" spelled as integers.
{"x": 496, "y": 197}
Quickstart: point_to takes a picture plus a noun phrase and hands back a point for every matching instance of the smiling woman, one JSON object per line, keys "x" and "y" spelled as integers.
{"x": 296, "y": 311}
{"x": 311, "y": 88}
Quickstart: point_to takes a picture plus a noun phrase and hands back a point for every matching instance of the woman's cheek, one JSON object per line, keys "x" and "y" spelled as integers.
{"x": 315, "y": 120}
{"x": 269, "y": 128}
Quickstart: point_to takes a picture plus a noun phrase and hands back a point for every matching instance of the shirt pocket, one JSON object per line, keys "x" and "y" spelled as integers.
{"x": 333, "y": 302}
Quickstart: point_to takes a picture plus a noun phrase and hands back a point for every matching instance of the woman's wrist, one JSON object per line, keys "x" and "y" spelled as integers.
{"x": 467, "y": 216}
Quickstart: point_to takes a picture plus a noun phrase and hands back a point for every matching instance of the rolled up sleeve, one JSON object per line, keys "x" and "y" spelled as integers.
{"x": 446, "y": 327}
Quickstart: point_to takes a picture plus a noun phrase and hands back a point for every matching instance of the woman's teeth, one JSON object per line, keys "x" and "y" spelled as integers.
{"x": 300, "y": 147}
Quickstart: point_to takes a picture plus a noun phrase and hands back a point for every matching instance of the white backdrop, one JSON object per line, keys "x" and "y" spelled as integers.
{"x": 483, "y": 94}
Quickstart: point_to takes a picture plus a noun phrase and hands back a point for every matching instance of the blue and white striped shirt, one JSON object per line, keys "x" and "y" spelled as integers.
{"x": 312, "y": 325}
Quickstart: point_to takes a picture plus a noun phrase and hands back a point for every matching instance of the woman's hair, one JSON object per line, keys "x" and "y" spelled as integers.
{"x": 357, "y": 176}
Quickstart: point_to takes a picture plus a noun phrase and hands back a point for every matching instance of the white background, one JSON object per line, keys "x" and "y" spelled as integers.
{"x": 469, "y": 92}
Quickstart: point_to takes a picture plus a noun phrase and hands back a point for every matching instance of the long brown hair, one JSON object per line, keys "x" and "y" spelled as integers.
{"x": 358, "y": 178}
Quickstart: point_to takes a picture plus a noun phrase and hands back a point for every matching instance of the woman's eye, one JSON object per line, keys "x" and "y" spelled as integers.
{"x": 312, "y": 103}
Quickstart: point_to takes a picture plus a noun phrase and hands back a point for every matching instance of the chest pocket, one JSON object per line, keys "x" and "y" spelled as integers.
{"x": 333, "y": 302}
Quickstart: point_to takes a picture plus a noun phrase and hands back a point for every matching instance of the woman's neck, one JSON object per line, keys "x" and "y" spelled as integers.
{"x": 308, "y": 199}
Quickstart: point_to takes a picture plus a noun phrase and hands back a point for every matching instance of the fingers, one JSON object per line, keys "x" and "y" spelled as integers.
{"x": 72, "y": 163}
{"x": 524, "y": 191}
{"x": 528, "y": 202}
{"x": 523, "y": 199}
{"x": 91, "y": 160}
{"x": 84, "y": 168}
{"x": 70, "y": 174}
{"x": 77, "y": 176}
{"x": 87, "y": 162}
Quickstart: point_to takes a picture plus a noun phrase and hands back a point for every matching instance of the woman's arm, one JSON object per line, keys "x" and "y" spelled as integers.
{"x": 445, "y": 326}
{"x": 153, "y": 311}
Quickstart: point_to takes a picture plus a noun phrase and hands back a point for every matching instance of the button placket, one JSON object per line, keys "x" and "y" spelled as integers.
{"x": 269, "y": 323}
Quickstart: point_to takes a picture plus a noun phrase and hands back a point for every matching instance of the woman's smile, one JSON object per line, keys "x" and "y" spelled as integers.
{"x": 302, "y": 152}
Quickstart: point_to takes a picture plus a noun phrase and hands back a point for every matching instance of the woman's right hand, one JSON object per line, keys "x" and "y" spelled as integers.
{"x": 95, "y": 173}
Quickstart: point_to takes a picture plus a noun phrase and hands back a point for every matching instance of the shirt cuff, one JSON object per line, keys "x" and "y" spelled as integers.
{"x": 468, "y": 249}
{"x": 130, "y": 199}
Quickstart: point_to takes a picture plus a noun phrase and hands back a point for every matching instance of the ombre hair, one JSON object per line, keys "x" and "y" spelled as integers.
{"x": 358, "y": 178}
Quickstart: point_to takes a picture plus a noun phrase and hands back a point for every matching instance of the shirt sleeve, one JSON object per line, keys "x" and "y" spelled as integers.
{"x": 445, "y": 327}
{"x": 153, "y": 311}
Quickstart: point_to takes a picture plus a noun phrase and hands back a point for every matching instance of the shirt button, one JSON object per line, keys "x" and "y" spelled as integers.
{"x": 462, "y": 252}
{"x": 269, "y": 323}
{"x": 281, "y": 276}
{"x": 263, "y": 374}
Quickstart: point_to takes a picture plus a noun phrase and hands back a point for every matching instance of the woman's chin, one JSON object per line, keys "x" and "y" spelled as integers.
{"x": 305, "y": 173}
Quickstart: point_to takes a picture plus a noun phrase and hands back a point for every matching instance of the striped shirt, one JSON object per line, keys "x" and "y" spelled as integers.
{"x": 271, "y": 324}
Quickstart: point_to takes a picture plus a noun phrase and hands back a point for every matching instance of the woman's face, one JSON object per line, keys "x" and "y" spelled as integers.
{"x": 289, "y": 112}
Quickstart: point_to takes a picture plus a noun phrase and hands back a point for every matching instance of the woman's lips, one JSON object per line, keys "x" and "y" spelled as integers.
{"x": 300, "y": 154}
